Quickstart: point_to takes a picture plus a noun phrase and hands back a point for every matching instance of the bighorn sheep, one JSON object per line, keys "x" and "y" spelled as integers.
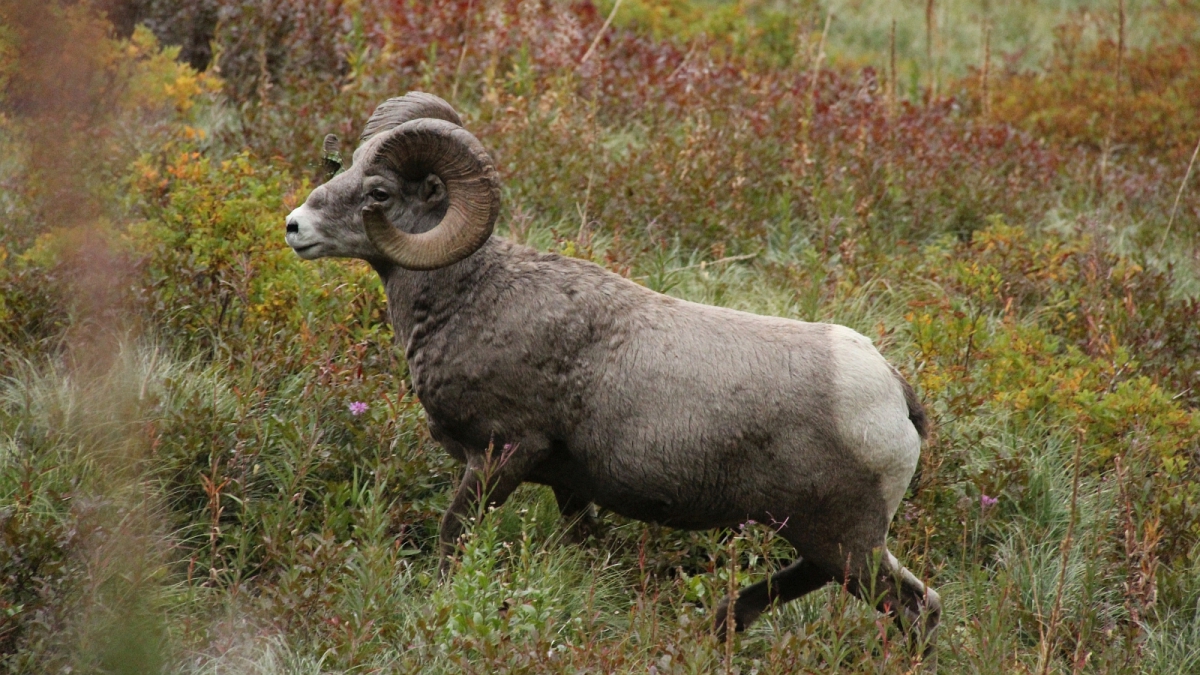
{"x": 656, "y": 408}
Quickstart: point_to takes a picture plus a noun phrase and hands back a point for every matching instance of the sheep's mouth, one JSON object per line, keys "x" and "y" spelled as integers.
{"x": 302, "y": 249}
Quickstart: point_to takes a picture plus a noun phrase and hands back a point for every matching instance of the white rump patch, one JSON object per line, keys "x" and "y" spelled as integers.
{"x": 872, "y": 415}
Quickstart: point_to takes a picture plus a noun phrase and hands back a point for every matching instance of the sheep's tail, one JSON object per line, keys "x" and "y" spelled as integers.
{"x": 916, "y": 411}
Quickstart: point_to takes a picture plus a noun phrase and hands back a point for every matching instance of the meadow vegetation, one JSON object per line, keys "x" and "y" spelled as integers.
{"x": 209, "y": 458}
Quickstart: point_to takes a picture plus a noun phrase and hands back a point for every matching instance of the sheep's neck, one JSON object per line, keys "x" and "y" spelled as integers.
{"x": 420, "y": 303}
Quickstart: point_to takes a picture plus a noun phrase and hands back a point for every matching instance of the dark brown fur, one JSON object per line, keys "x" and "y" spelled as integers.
{"x": 916, "y": 411}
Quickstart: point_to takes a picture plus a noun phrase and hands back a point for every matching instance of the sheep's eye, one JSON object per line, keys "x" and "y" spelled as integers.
{"x": 378, "y": 195}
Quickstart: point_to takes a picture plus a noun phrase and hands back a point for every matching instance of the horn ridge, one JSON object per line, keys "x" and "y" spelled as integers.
{"x": 421, "y": 147}
{"x": 401, "y": 109}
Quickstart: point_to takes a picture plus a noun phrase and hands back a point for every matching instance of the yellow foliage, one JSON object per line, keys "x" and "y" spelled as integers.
{"x": 1062, "y": 365}
{"x": 157, "y": 79}
{"x": 754, "y": 28}
{"x": 1079, "y": 100}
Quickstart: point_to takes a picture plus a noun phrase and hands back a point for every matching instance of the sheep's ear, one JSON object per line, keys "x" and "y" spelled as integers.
{"x": 333, "y": 161}
{"x": 432, "y": 190}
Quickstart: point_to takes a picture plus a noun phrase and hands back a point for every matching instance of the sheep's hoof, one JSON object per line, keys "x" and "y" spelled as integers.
{"x": 582, "y": 529}
{"x": 928, "y": 651}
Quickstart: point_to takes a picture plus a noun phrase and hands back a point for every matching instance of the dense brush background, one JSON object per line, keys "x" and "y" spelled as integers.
{"x": 999, "y": 196}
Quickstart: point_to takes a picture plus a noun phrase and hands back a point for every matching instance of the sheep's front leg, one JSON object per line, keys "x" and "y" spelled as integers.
{"x": 489, "y": 477}
{"x": 578, "y": 513}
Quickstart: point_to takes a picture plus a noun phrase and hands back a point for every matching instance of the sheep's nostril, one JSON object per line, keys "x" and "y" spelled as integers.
{"x": 292, "y": 226}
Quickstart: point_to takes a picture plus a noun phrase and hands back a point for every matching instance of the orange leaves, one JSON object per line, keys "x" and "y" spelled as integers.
{"x": 1155, "y": 106}
{"x": 188, "y": 166}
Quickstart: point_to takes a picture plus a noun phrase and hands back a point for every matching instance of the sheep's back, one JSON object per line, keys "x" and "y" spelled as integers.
{"x": 713, "y": 414}
{"x": 659, "y": 408}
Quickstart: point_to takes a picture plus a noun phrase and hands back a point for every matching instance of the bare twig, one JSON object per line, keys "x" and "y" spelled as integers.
{"x": 686, "y": 57}
{"x": 816, "y": 64}
{"x": 587, "y": 196}
{"x": 462, "y": 56}
{"x": 1141, "y": 586}
{"x": 985, "y": 95}
{"x": 891, "y": 90}
{"x": 1178, "y": 195}
{"x": 600, "y": 33}
{"x": 1112, "y": 116}
{"x": 930, "y": 29}
{"x": 1120, "y": 41}
{"x": 731, "y": 614}
{"x": 732, "y": 258}
{"x": 703, "y": 265}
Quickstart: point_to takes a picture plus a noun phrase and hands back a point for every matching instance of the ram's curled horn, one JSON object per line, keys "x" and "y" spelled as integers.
{"x": 433, "y": 146}
{"x": 411, "y": 106}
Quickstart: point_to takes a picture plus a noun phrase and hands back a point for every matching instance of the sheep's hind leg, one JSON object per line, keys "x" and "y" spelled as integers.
{"x": 493, "y": 477}
{"x": 897, "y": 592}
{"x": 578, "y": 513}
{"x": 793, "y": 581}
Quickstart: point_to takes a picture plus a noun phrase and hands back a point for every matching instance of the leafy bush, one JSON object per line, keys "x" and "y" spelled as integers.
{"x": 1034, "y": 330}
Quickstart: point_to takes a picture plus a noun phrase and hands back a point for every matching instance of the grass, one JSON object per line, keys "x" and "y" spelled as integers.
{"x": 1023, "y": 36}
{"x": 185, "y": 487}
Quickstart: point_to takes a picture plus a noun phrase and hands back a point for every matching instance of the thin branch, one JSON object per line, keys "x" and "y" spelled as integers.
{"x": 816, "y": 66}
{"x": 1178, "y": 195}
{"x": 891, "y": 90}
{"x": 462, "y": 56}
{"x": 702, "y": 265}
{"x": 985, "y": 95}
{"x": 686, "y": 57}
{"x": 1112, "y": 116}
{"x": 930, "y": 30}
{"x": 705, "y": 264}
{"x": 731, "y": 613}
{"x": 600, "y": 33}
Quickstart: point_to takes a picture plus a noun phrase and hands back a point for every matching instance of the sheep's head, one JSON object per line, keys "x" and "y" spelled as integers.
{"x": 421, "y": 192}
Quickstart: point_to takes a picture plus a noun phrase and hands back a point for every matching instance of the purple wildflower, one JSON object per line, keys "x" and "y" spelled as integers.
{"x": 357, "y": 408}
{"x": 987, "y": 502}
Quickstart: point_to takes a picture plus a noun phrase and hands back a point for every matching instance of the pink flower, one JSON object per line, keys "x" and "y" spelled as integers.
{"x": 357, "y": 408}
{"x": 987, "y": 502}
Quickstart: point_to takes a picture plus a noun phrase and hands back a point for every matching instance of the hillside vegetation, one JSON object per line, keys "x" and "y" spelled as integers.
{"x": 209, "y": 458}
